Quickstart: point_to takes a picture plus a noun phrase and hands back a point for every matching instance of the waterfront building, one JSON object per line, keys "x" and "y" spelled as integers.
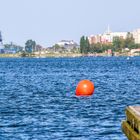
{"x": 68, "y": 45}
{"x": 107, "y": 37}
{"x": 38, "y": 48}
{"x": 12, "y": 48}
{"x": 136, "y": 36}
{"x": 94, "y": 39}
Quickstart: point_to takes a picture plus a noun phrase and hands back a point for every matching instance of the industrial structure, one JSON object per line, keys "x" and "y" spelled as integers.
{"x": 1, "y": 44}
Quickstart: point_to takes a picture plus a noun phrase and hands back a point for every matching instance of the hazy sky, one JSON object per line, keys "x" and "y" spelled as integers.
{"x": 49, "y": 21}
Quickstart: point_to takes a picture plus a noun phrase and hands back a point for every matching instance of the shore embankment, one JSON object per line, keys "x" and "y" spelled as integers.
{"x": 57, "y": 55}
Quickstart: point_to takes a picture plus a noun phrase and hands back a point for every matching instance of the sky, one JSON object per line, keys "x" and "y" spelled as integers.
{"x": 49, "y": 21}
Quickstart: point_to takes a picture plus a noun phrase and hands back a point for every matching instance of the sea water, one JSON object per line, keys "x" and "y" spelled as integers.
{"x": 37, "y": 97}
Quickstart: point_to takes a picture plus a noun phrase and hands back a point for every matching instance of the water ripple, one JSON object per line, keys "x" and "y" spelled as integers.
{"x": 37, "y": 97}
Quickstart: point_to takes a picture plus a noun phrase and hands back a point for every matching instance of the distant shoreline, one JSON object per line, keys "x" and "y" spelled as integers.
{"x": 61, "y": 55}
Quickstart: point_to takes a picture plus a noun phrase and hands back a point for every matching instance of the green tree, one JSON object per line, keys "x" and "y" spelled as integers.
{"x": 58, "y": 48}
{"x": 87, "y": 46}
{"x": 96, "y": 48}
{"x": 82, "y": 44}
{"x": 118, "y": 44}
{"x": 129, "y": 41}
{"x": 24, "y": 54}
{"x": 30, "y": 46}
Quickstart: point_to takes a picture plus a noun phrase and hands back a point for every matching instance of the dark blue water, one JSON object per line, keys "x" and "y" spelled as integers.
{"x": 37, "y": 97}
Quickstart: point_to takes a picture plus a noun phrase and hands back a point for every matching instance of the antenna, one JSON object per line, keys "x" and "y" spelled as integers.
{"x": 108, "y": 29}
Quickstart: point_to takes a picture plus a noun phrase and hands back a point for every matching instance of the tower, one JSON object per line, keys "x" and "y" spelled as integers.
{"x": 0, "y": 38}
{"x": 1, "y": 44}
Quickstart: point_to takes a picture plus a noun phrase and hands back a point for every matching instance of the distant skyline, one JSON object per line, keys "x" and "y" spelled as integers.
{"x": 49, "y": 21}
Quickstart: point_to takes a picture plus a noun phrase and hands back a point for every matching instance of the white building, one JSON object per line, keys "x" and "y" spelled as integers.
{"x": 68, "y": 45}
{"x": 107, "y": 37}
{"x": 136, "y": 36}
{"x": 63, "y": 43}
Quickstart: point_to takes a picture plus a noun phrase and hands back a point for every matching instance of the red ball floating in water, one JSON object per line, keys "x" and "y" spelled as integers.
{"x": 85, "y": 88}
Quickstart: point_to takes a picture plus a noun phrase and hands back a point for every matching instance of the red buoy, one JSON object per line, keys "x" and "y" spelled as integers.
{"x": 84, "y": 88}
